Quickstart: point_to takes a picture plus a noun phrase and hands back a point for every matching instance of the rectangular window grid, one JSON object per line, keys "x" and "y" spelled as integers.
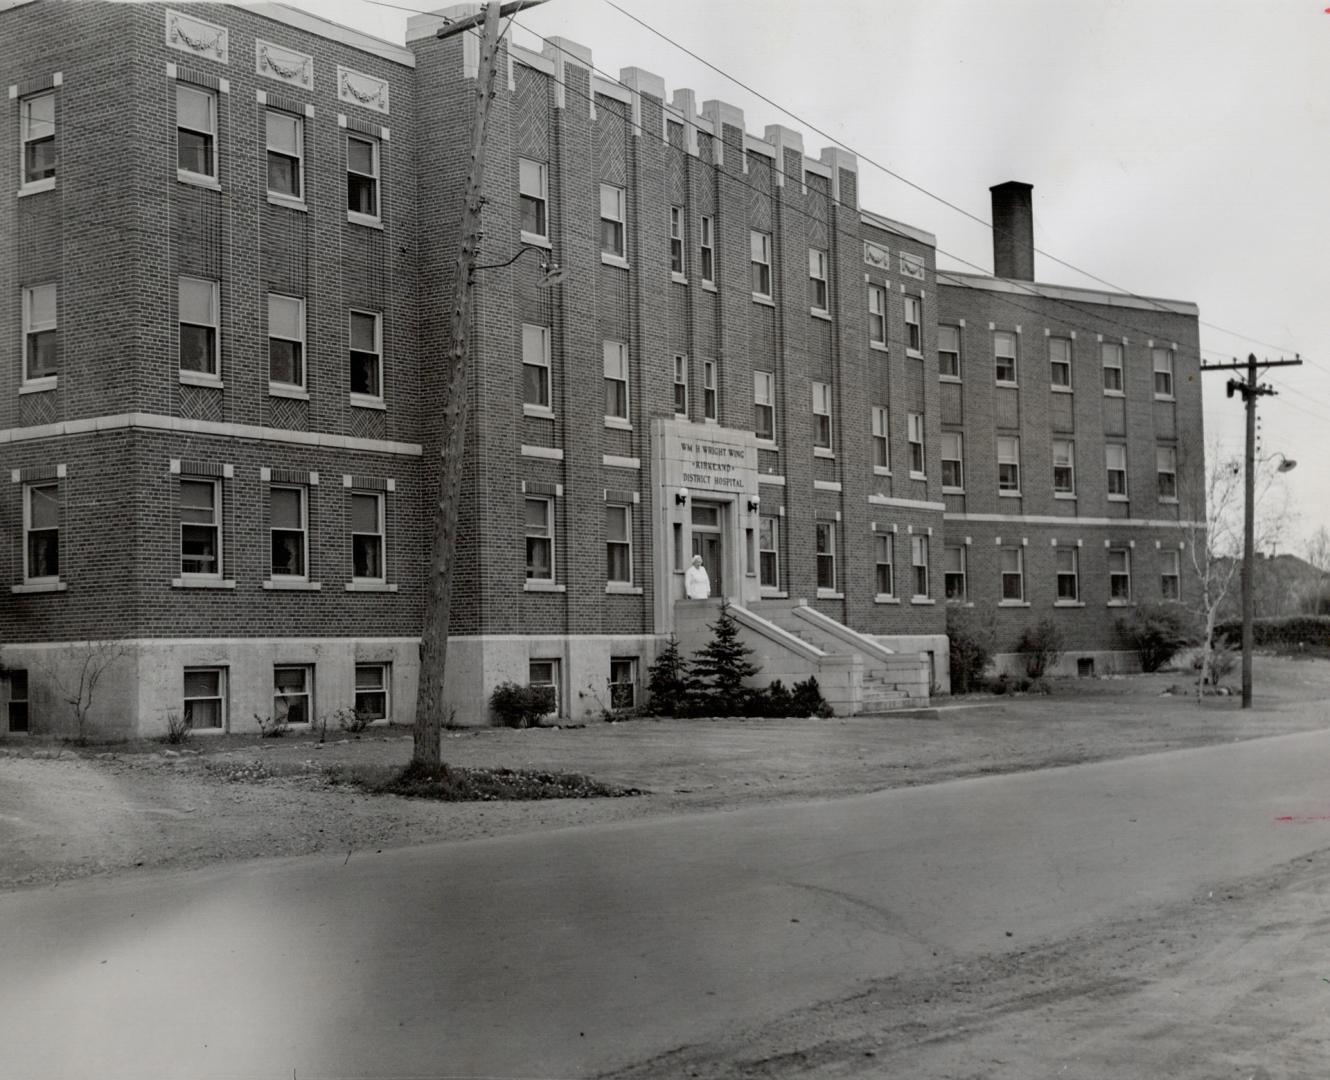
{"x": 826, "y": 555}
{"x": 708, "y": 250}
{"x": 367, "y": 562}
{"x": 292, "y": 695}
{"x": 676, "y": 240}
{"x": 286, "y": 340}
{"x": 1170, "y": 575}
{"x": 919, "y": 563}
{"x": 536, "y": 366}
{"x": 877, "y": 316}
{"x": 286, "y": 151}
{"x": 366, "y": 341}
{"x": 201, "y": 528}
{"x": 953, "y": 572}
{"x": 914, "y": 326}
{"x": 822, "y": 415}
{"x": 760, "y": 254}
{"x": 1068, "y": 574}
{"x": 709, "y": 405}
{"x": 884, "y": 574}
{"x": 616, "y": 380}
{"x": 533, "y": 196}
{"x": 612, "y": 221}
{"x": 1009, "y": 464}
{"x": 623, "y": 682}
{"x": 19, "y": 720}
{"x": 1163, "y": 372}
{"x": 373, "y": 688}
{"x": 1013, "y": 574}
{"x": 1059, "y": 358}
{"x": 1064, "y": 467}
{"x": 768, "y": 551}
{"x": 362, "y": 177}
{"x": 1004, "y": 357}
{"x": 1166, "y": 473}
{"x": 619, "y": 544}
{"x": 540, "y": 539}
{"x": 1111, "y": 354}
{"x": 289, "y": 529}
{"x": 203, "y": 699}
{"x": 881, "y": 440}
{"x": 37, "y": 133}
{"x": 953, "y": 463}
{"x": 41, "y": 532}
{"x": 1119, "y": 575}
{"x": 915, "y": 438}
{"x": 817, "y": 279}
{"x": 40, "y": 329}
{"x": 764, "y": 404}
{"x": 196, "y": 132}
{"x": 681, "y": 386}
{"x": 1115, "y": 455}
{"x": 199, "y": 322}
{"x": 949, "y": 352}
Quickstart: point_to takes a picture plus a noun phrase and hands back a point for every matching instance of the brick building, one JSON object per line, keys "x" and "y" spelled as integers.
{"x": 226, "y": 258}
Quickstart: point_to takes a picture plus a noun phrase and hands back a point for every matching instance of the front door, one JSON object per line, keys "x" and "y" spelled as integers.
{"x": 707, "y": 541}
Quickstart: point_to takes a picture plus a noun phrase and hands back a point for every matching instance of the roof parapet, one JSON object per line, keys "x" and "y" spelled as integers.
{"x": 783, "y": 138}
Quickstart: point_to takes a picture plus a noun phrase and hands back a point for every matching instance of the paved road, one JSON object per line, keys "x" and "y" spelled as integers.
{"x": 565, "y": 954}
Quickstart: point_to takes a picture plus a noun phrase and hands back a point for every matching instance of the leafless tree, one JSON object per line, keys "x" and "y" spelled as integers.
{"x": 75, "y": 674}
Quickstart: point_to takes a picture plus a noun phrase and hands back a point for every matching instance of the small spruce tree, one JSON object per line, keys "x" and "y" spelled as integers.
{"x": 721, "y": 666}
{"x": 667, "y": 680}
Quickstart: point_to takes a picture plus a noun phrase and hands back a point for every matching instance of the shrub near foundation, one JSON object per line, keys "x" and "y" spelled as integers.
{"x": 517, "y": 706}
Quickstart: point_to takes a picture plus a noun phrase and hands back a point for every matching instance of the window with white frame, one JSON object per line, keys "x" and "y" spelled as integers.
{"x": 544, "y": 675}
{"x": 203, "y": 699}
{"x": 881, "y": 439}
{"x": 201, "y": 528}
{"x": 288, "y": 512}
{"x": 768, "y": 551}
{"x": 41, "y": 532}
{"x": 817, "y": 279}
{"x": 286, "y": 153}
{"x": 366, "y": 339}
{"x": 373, "y": 691}
{"x": 1119, "y": 576}
{"x": 1059, "y": 358}
{"x": 17, "y": 711}
{"x": 953, "y": 464}
{"x": 919, "y": 562}
{"x": 619, "y": 544}
{"x": 1163, "y": 370}
{"x": 286, "y": 340}
{"x": 949, "y": 352}
{"x": 539, "y": 538}
{"x": 1111, "y": 354}
{"x": 1004, "y": 357}
{"x": 362, "y": 177}
{"x": 623, "y": 682}
{"x": 616, "y": 380}
{"x": 1064, "y": 467}
{"x": 196, "y": 132}
{"x": 536, "y": 366}
{"x": 292, "y": 694}
{"x": 367, "y": 562}
{"x": 199, "y": 322}
{"x": 822, "y": 415}
{"x": 760, "y": 255}
{"x": 826, "y": 555}
{"x": 612, "y": 218}
{"x": 1009, "y": 464}
{"x": 953, "y": 572}
{"x": 1066, "y": 562}
{"x": 708, "y": 246}
{"x": 914, "y": 434}
{"x": 764, "y": 404}
{"x": 676, "y": 240}
{"x": 1012, "y": 562}
{"x": 1115, "y": 456}
{"x": 1166, "y": 473}
{"x": 37, "y": 134}
{"x": 1170, "y": 575}
{"x": 709, "y": 405}
{"x": 40, "y": 332}
{"x": 877, "y": 317}
{"x": 533, "y": 197}
{"x": 914, "y": 326}
{"x": 680, "y": 385}
{"x": 884, "y": 560}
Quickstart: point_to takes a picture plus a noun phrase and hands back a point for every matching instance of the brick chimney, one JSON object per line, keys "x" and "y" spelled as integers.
{"x": 1013, "y": 231}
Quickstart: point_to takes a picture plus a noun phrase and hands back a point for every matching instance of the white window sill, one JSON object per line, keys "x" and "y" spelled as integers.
{"x": 820, "y": 313}
{"x": 1061, "y": 389}
{"x": 1009, "y": 494}
{"x": 200, "y": 378}
{"x": 764, "y": 300}
{"x": 289, "y": 201}
{"x": 922, "y": 600}
{"x": 367, "y": 220}
{"x": 1006, "y": 382}
{"x": 282, "y": 390}
{"x": 768, "y": 593}
{"x": 830, "y": 594}
{"x": 365, "y": 401}
{"x": 886, "y": 598}
{"x": 914, "y": 354}
{"x": 37, "y": 187}
{"x": 613, "y": 260}
{"x": 1013, "y": 603}
{"x": 198, "y": 180}
{"x": 542, "y": 411}
{"x": 201, "y": 583}
{"x": 294, "y": 585}
{"x": 1114, "y": 393}
{"x": 618, "y": 423}
{"x": 536, "y": 585}
{"x": 678, "y": 278}
{"x": 371, "y": 586}
{"x": 1069, "y": 495}
{"x": 918, "y": 475}
{"x": 1069, "y": 603}
{"x": 710, "y": 420}
{"x": 1118, "y": 498}
{"x": 39, "y": 587}
{"x": 766, "y": 444}
{"x": 622, "y": 588}
{"x": 1165, "y": 397}
{"x": 709, "y": 286}
{"x": 1168, "y": 500}
{"x": 881, "y": 470}
{"x": 879, "y": 346}
{"x": 949, "y": 378}
{"x": 39, "y": 386}
{"x": 550, "y": 453}
{"x": 536, "y": 240}
{"x": 823, "y": 451}
{"x": 958, "y": 601}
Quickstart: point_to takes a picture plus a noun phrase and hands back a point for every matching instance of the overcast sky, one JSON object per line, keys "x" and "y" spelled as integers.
{"x": 1177, "y": 149}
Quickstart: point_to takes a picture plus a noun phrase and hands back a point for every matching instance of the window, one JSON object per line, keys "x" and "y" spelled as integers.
{"x": 204, "y": 699}
{"x": 817, "y": 279}
{"x": 611, "y": 221}
{"x": 1009, "y": 464}
{"x": 1004, "y": 356}
{"x": 953, "y": 464}
{"x": 199, "y": 320}
{"x": 616, "y": 380}
{"x": 1166, "y": 473}
{"x": 1163, "y": 365}
{"x": 366, "y": 331}
{"x": 291, "y": 694}
{"x": 362, "y": 177}
{"x": 1119, "y": 576}
{"x": 877, "y": 317}
{"x": 1115, "y": 454}
{"x": 373, "y": 682}
{"x": 768, "y": 551}
{"x": 709, "y": 389}
{"x": 883, "y": 564}
{"x": 1111, "y": 353}
{"x": 1170, "y": 575}
{"x": 949, "y": 352}
{"x": 1064, "y": 467}
{"x": 367, "y": 536}
{"x": 288, "y": 524}
{"x": 1059, "y": 358}
{"x": 764, "y": 404}
{"x": 708, "y": 251}
{"x": 953, "y": 572}
{"x": 536, "y": 366}
{"x": 41, "y": 529}
{"x": 39, "y": 332}
{"x": 681, "y": 386}
{"x": 1068, "y": 574}
{"x": 1013, "y": 574}
{"x": 760, "y": 243}
{"x": 919, "y": 562}
{"x": 196, "y": 132}
{"x": 533, "y": 196}
{"x": 826, "y": 555}
{"x": 286, "y": 151}
{"x": 915, "y": 437}
{"x": 540, "y": 539}
{"x": 286, "y": 340}
{"x": 541, "y": 673}
{"x": 676, "y": 240}
{"x": 619, "y": 544}
{"x": 18, "y": 701}
{"x": 914, "y": 326}
{"x": 201, "y": 528}
{"x": 623, "y": 682}
{"x": 37, "y": 132}
{"x": 881, "y": 441}
{"x": 822, "y": 415}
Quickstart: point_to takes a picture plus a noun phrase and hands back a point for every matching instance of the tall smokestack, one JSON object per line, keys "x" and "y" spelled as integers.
{"x": 1013, "y": 231}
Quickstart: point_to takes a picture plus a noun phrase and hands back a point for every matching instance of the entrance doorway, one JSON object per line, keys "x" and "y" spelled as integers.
{"x": 707, "y": 533}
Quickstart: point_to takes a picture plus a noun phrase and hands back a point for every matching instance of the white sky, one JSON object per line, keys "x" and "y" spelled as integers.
{"x": 1177, "y": 148}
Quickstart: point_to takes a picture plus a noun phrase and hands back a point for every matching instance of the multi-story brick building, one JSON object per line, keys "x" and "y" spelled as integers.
{"x": 226, "y": 260}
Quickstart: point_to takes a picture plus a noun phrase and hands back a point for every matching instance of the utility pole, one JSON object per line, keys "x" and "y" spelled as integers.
{"x": 452, "y": 444}
{"x": 1250, "y": 390}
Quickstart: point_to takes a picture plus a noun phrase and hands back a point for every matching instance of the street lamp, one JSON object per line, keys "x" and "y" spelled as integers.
{"x": 1249, "y": 557}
